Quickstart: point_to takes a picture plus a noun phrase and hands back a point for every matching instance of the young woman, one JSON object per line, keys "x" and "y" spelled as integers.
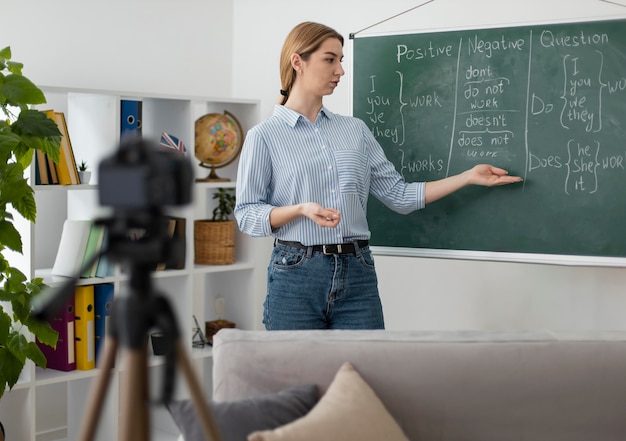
{"x": 304, "y": 178}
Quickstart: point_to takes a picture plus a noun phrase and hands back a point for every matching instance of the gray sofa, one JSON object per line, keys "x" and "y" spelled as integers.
{"x": 445, "y": 386}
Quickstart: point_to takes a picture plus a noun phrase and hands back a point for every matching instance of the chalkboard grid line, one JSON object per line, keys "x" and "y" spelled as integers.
{"x": 456, "y": 103}
{"x": 526, "y": 147}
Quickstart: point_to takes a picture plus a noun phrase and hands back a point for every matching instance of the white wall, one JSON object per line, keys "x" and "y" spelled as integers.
{"x": 178, "y": 47}
{"x": 188, "y": 47}
{"x": 421, "y": 293}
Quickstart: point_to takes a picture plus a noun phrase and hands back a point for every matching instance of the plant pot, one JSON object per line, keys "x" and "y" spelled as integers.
{"x": 214, "y": 242}
{"x": 84, "y": 176}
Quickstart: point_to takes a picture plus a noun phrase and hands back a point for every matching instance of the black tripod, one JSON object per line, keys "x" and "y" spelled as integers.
{"x": 131, "y": 319}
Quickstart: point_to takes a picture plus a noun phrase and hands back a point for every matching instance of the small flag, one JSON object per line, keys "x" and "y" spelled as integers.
{"x": 171, "y": 142}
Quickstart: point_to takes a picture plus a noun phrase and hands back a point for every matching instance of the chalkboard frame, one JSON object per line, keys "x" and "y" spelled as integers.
{"x": 477, "y": 254}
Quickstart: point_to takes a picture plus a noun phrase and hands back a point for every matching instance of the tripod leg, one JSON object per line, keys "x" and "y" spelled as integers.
{"x": 134, "y": 413}
{"x": 98, "y": 393}
{"x": 209, "y": 427}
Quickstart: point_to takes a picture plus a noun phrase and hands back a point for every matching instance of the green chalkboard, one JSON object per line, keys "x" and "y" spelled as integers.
{"x": 546, "y": 102}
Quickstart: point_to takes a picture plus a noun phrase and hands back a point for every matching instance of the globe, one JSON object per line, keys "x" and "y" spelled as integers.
{"x": 219, "y": 138}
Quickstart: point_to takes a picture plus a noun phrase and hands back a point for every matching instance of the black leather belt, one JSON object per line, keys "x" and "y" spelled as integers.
{"x": 334, "y": 248}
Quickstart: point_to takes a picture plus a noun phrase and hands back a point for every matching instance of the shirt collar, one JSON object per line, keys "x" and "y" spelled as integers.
{"x": 291, "y": 117}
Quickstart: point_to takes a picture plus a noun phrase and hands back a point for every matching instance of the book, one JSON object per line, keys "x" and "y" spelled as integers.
{"x": 179, "y": 233}
{"x": 171, "y": 142}
{"x": 175, "y": 230}
{"x": 171, "y": 228}
{"x": 52, "y": 169}
{"x": 66, "y": 168}
{"x": 62, "y": 357}
{"x": 41, "y": 168}
{"x": 103, "y": 303}
{"x": 104, "y": 268}
{"x": 84, "y": 322}
{"x": 37, "y": 177}
{"x": 94, "y": 244}
{"x": 72, "y": 247}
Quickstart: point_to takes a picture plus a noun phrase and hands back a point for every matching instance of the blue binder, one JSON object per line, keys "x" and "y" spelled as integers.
{"x": 131, "y": 117}
{"x": 103, "y": 302}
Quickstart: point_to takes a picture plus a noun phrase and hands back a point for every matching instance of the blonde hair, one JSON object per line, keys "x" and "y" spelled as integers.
{"x": 303, "y": 40}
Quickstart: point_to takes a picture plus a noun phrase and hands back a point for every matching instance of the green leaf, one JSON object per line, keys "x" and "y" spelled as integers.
{"x": 22, "y": 197}
{"x": 10, "y": 366}
{"x": 16, "y": 344}
{"x": 43, "y": 331}
{"x": 50, "y": 146}
{"x": 36, "y": 123}
{"x": 5, "y": 54}
{"x": 8, "y": 142}
{"x": 33, "y": 352}
{"x": 15, "y": 67}
{"x": 5, "y": 324}
{"x": 10, "y": 237}
{"x": 19, "y": 91}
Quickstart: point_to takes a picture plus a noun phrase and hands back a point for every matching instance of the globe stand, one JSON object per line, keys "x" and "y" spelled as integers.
{"x": 212, "y": 176}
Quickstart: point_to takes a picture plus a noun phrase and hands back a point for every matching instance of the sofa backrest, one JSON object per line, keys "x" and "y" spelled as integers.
{"x": 444, "y": 386}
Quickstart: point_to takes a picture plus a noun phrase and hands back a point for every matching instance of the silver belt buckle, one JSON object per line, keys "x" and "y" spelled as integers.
{"x": 324, "y": 250}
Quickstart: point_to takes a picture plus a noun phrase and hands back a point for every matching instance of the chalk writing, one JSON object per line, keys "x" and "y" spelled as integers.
{"x": 490, "y": 117}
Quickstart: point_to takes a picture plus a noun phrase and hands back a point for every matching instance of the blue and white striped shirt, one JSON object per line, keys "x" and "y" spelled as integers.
{"x": 336, "y": 162}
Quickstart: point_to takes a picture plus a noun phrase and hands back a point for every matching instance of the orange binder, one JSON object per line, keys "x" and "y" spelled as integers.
{"x": 84, "y": 321}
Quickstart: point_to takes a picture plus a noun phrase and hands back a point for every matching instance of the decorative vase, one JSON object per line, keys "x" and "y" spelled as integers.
{"x": 85, "y": 176}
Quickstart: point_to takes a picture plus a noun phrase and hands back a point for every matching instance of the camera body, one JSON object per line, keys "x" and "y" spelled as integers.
{"x": 142, "y": 175}
{"x": 138, "y": 181}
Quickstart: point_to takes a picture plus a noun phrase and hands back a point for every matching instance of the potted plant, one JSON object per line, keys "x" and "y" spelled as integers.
{"x": 84, "y": 173}
{"x": 22, "y": 131}
{"x": 214, "y": 239}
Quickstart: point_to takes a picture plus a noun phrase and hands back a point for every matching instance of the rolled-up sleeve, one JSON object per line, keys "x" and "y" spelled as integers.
{"x": 254, "y": 177}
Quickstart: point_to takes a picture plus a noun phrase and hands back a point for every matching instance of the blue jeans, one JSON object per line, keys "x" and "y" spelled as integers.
{"x": 311, "y": 290}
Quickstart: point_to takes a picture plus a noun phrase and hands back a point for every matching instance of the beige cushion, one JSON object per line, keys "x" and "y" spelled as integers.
{"x": 349, "y": 410}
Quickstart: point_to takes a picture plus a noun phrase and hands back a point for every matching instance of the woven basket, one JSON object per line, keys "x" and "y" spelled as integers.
{"x": 214, "y": 242}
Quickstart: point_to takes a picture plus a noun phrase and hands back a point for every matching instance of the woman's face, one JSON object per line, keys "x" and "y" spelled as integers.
{"x": 322, "y": 71}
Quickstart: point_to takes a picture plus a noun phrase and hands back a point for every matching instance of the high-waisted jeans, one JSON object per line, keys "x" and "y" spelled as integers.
{"x": 311, "y": 290}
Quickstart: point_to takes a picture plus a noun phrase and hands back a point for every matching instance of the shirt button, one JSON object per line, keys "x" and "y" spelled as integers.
{"x": 330, "y": 167}
{"x": 332, "y": 191}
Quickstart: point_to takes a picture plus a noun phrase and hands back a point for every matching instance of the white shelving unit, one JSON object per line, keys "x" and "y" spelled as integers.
{"x": 49, "y": 405}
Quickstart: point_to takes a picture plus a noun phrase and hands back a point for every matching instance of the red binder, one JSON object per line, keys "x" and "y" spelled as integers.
{"x": 63, "y": 357}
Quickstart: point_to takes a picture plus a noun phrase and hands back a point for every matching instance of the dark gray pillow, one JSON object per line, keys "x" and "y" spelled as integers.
{"x": 238, "y": 419}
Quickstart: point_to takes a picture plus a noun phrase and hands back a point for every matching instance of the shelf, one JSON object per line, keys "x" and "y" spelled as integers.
{"x": 94, "y": 125}
{"x": 237, "y": 266}
{"x": 52, "y": 376}
{"x": 63, "y": 188}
